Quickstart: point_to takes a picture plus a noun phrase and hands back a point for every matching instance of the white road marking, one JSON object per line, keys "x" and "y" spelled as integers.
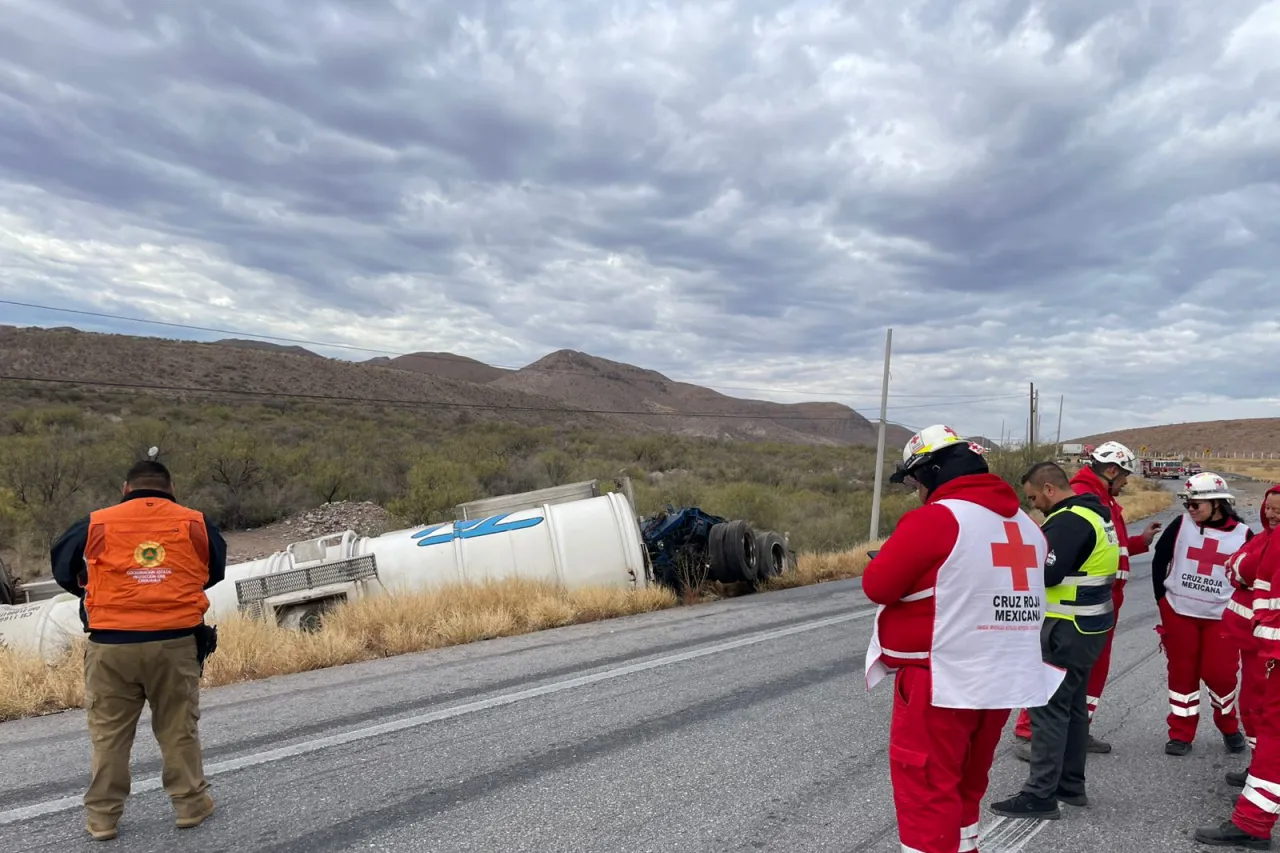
{"x": 254, "y": 759}
{"x": 1010, "y": 836}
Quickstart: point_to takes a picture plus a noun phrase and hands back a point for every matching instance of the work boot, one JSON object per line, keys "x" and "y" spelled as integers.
{"x": 1237, "y": 779}
{"x": 1177, "y": 747}
{"x": 1022, "y": 749}
{"x": 1235, "y": 742}
{"x": 1095, "y": 745}
{"x": 198, "y": 816}
{"x": 1227, "y": 834}
{"x": 1027, "y": 805}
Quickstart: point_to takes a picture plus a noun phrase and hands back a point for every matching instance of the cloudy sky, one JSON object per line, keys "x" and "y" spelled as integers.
{"x": 743, "y": 194}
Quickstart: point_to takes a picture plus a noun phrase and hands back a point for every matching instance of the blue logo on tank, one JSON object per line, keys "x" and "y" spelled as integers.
{"x": 472, "y": 528}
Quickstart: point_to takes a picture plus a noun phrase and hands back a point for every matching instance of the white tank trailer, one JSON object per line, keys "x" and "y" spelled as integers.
{"x": 575, "y": 543}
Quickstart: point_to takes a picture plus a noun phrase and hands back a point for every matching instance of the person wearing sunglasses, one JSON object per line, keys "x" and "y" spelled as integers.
{"x": 1189, "y": 579}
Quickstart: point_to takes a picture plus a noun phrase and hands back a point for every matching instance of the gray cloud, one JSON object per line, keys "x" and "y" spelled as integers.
{"x": 1080, "y": 195}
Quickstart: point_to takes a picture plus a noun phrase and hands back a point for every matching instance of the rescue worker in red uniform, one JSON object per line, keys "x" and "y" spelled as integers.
{"x": 1189, "y": 577}
{"x": 1242, "y": 569}
{"x": 1110, "y": 466}
{"x": 960, "y": 584}
{"x": 1258, "y": 806}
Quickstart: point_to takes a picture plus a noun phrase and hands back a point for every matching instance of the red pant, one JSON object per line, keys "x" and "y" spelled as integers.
{"x": 1097, "y": 675}
{"x": 939, "y": 760}
{"x": 1259, "y": 803}
{"x": 1199, "y": 650}
{"x": 1253, "y": 684}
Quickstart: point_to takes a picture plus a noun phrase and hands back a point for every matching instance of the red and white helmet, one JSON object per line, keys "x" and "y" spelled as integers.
{"x": 1206, "y": 486}
{"x": 1115, "y": 453}
{"x": 924, "y": 444}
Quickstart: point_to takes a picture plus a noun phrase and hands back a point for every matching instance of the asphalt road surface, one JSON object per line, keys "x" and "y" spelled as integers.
{"x": 742, "y": 725}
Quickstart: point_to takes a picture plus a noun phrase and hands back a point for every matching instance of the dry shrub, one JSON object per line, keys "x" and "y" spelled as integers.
{"x": 814, "y": 568}
{"x": 365, "y": 629}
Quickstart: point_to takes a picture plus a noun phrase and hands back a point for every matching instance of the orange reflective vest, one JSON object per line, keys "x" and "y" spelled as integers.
{"x": 148, "y": 562}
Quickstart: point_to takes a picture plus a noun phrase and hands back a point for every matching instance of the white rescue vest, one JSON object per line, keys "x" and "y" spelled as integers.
{"x": 1197, "y": 583}
{"x": 988, "y": 611}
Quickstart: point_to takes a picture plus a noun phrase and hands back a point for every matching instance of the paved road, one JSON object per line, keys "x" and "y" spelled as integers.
{"x": 737, "y": 726}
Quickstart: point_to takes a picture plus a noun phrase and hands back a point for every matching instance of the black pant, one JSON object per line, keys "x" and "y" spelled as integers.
{"x": 1060, "y": 729}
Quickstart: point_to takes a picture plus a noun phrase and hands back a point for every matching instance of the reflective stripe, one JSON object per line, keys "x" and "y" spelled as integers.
{"x": 1262, "y": 632}
{"x": 918, "y": 596}
{"x": 904, "y": 655}
{"x": 1184, "y": 704}
{"x": 1122, "y": 574}
{"x": 1252, "y": 741}
{"x": 1086, "y": 580}
{"x": 1260, "y": 584}
{"x": 1238, "y": 608}
{"x": 1124, "y": 550}
{"x": 968, "y": 838}
{"x": 906, "y": 849}
{"x": 1225, "y": 704}
{"x": 1253, "y": 792}
{"x": 1080, "y": 610}
{"x": 1266, "y": 604}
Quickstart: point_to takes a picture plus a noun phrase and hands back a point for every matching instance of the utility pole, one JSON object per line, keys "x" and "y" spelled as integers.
{"x": 1061, "y": 399}
{"x": 884, "y": 414}
{"x": 1031, "y": 419}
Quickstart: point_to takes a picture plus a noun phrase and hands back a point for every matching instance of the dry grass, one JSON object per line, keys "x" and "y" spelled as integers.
{"x": 367, "y": 629}
{"x": 1267, "y": 470}
{"x": 386, "y": 626}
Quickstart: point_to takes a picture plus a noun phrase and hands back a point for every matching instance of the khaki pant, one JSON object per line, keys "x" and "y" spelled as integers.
{"x": 118, "y": 680}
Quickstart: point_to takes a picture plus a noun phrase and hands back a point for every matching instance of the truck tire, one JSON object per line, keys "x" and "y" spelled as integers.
{"x": 771, "y": 553}
{"x": 717, "y": 559}
{"x": 8, "y": 588}
{"x": 740, "y": 555}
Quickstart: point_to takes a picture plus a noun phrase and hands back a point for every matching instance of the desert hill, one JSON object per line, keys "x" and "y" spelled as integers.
{"x": 570, "y": 376}
{"x": 547, "y": 391}
{"x": 444, "y": 364}
{"x": 1249, "y": 435}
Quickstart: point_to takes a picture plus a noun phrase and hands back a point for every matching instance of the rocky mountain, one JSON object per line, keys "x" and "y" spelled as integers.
{"x": 565, "y": 384}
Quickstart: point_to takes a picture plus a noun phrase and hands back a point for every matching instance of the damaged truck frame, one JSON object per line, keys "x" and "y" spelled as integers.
{"x": 574, "y": 535}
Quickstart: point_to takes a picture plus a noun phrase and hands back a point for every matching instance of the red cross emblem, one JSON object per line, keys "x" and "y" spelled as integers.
{"x": 1207, "y": 557}
{"x": 1016, "y": 556}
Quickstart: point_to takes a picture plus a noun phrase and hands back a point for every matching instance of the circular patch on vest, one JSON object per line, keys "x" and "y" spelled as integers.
{"x": 149, "y": 554}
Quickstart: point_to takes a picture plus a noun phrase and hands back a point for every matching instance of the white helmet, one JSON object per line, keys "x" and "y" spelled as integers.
{"x": 924, "y": 444}
{"x": 1115, "y": 453}
{"x": 1206, "y": 486}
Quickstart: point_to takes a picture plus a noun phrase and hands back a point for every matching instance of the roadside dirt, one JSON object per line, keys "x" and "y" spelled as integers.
{"x": 366, "y": 519}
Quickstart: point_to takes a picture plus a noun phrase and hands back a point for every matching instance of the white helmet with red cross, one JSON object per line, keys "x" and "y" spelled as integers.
{"x": 1115, "y": 453}
{"x": 1206, "y": 486}
{"x": 925, "y": 444}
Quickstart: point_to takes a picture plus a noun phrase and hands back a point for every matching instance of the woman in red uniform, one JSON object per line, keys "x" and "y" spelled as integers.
{"x": 1259, "y": 803}
{"x": 1242, "y": 571}
{"x": 1190, "y": 580}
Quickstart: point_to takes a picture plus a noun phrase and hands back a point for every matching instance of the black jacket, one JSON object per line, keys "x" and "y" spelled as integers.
{"x": 69, "y": 568}
{"x": 1071, "y": 538}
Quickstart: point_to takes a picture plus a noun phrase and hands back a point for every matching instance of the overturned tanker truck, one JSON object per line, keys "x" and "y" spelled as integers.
{"x": 572, "y": 535}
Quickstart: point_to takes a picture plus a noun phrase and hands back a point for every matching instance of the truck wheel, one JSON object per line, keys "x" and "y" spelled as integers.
{"x": 720, "y": 570}
{"x": 771, "y": 553}
{"x": 740, "y": 551}
{"x": 8, "y": 588}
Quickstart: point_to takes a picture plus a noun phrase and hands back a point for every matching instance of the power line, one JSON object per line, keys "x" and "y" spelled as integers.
{"x": 297, "y": 395}
{"x": 427, "y": 357}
